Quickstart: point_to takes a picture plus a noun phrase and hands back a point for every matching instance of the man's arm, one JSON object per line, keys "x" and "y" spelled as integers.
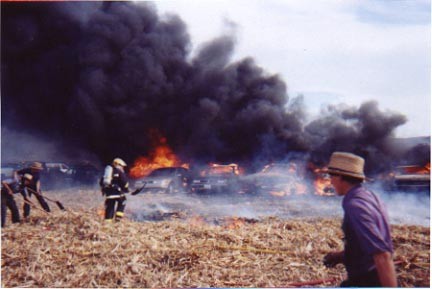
{"x": 8, "y": 188}
{"x": 386, "y": 270}
{"x": 38, "y": 188}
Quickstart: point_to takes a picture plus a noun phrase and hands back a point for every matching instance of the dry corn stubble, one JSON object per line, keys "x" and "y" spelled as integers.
{"x": 77, "y": 249}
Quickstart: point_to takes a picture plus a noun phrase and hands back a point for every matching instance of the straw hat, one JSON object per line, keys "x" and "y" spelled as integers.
{"x": 346, "y": 164}
{"x": 36, "y": 166}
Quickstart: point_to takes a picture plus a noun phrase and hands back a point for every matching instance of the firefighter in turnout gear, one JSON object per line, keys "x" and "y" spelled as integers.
{"x": 114, "y": 187}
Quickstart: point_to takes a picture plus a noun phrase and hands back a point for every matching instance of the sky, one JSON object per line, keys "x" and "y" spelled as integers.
{"x": 329, "y": 51}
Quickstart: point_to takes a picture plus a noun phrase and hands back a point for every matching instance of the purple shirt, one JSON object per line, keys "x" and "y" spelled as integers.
{"x": 366, "y": 229}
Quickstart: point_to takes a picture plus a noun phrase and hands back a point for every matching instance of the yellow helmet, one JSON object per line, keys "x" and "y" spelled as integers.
{"x": 118, "y": 162}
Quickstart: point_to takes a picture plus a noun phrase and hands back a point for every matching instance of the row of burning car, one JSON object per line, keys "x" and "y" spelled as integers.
{"x": 279, "y": 179}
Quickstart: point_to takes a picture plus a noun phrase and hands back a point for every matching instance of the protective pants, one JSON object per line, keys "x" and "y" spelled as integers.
{"x": 7, "y": 201}
{"x": 40, "y": 199}
{"x": 111, "y": 208}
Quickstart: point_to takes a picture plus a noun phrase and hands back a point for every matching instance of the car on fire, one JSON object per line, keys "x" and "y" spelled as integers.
{"x": 410, "y": 178}
{"x": 167, "y": 180}
{"x": 280, "y": 179}
{"x": 217, "y": 178}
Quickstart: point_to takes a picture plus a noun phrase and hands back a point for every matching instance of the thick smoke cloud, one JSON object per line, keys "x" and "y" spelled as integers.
{"x": 365, "y": 131}
{"x": 101, "y": 75}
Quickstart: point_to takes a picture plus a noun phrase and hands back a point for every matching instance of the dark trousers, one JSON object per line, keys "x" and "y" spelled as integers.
{"x": 369, "y": 279}
{"x": 40, "y": 199}
{"x": 111, "y": 208}
{"x": 7, "y": 201}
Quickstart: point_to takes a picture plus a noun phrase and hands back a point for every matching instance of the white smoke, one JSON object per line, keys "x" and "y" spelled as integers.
{"x": 408, "y": 208}
{"x": 403, "y": 208}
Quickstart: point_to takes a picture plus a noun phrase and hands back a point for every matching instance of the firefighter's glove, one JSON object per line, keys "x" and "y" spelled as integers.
{"x": 332, "y": 259}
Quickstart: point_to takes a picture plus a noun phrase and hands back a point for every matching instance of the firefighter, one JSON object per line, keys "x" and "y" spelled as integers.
{"x": 114, "y": 187}
{"x": 8, "y": 189}
{"x": 31, "y": 185}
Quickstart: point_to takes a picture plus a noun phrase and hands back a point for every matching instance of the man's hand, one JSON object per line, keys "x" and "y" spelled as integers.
{"x": 332, "y": 259}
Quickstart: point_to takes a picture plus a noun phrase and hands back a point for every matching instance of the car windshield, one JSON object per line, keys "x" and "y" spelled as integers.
{"x": 163, "y": 172}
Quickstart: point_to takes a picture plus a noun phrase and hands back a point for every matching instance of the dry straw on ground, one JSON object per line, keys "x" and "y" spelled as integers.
{"x": 77, "y": 249}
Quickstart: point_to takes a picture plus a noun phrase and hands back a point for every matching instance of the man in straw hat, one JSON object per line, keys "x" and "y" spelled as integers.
{"x": 31, "y": 182}
{"x": 368, "y": 249}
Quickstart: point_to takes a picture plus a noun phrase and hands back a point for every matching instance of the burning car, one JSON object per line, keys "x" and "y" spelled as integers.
{"x": 411, "y": 178}
{"x": 168, "y": 180}
{"x": 217, "y": 178}
{"x": 280, "y": 179}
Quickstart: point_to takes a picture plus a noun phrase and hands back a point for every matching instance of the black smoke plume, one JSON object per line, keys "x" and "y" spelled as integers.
{"x": 98, "y": 76}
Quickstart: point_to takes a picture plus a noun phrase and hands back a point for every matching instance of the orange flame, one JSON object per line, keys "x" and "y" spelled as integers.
{"x": 279, "y": 193}
{"x": 161, "y": 156}
{"x": 322, "y": 186}
{"x": 234, "y": 223}
{"x": 101, "y": 212}
{"x": 197, "y": 221}
{"x": 418, "y": 170}
{"x": 223, "y": 169}
{"x": 297, "y": 188}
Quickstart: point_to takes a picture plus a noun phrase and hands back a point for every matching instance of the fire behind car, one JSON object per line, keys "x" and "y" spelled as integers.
{"x": 167, "y": 180}
{"x": 217, "y": 178}
{"x": 280, "y": 179}
{"x": 411, "y": 178}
